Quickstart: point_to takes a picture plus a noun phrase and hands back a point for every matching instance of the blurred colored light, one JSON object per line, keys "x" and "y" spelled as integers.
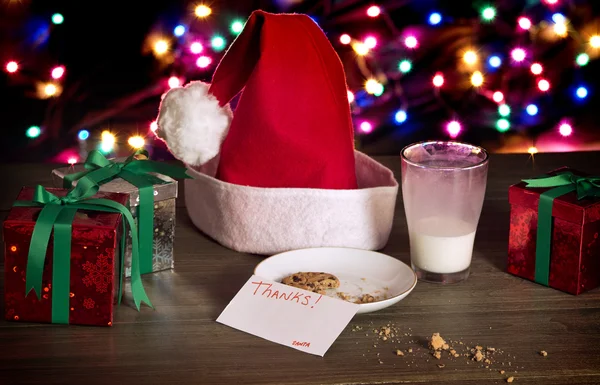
{"x": 551, "y": 2}
{"x": 373, "y": 87}
{"x": 57, "y": 18}
{"x": 12, "y": 67}
{"x": 136, "y": 142}
{"x": 565, "y": 129}
{"x": 524, "y": 23}
{"x": 405, "y": 66}
{"x": 360, "y": 48}
{"x": 477, "y": 79}
{"x": 218, "y": 43}
{"x": 72, "y": 160}
{"x": 202, "y": 10}
{"x": 504, "y": 110}
{"x": 435, "y": 18}
{"x": 400, "y": 116}
{"x": 33, "y": 132}
{"x": 560, "y": 29}
{"x": 196, "y": 48}
{"x": 532, "y": 110}
{"x": 532, "y": 150}
{"x": 179, "y": 30}
{"x": 203, "y": 61}
{"x": 83, "y": 134}
{"x": 350, "y": 96}
{"x": 371, "y": 42}
{"x": 518, "y": 54}
{"x": 488, "y": 13}
{"x": 50, "y": 89}
{"x": 237, "y": 27}
{"x": 438, "y": 80}
{"x": 107, "y": 137}
{"x": 411, "y": 42}
{"x": 174, "y": 82}
{"x": 453, "y": 128}
{"x": 154, "y": 126}
{"x": 502, "y": 125}
{"x": 595, "y": 41}
{"x": 581, "y": 92}
{"x": 58, "y": 72}
{"x": 536, "y": 68}
{"x": 558, "y": 18}
{"x": 544, "y": 85}
{"x": 373, "y": 11}
{"x": 498, "y": 96}
{"x": 582, "y": 59}
{"x": 161, "y": 47}
{"x": 495, "y": 61}
{"x": 106, "y": 147}
{"x": 366, "y": 127}
{"x": 345, "y": 39}
{"x": 470, "y": 57}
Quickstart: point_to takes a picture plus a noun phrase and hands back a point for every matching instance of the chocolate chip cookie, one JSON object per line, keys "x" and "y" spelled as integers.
{"x": 315, "y": 282}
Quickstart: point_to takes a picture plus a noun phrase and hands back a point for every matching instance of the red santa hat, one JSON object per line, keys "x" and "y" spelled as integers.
{"x": 281, "y": 173}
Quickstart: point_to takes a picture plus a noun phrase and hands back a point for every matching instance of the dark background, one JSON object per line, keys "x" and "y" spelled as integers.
{"x": 113, "y": 81}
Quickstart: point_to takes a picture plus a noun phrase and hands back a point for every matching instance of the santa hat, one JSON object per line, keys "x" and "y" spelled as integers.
{"x": 281, "y": 173}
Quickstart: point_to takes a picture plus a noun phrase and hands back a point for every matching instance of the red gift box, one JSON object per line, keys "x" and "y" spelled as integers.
{"x": 574, "y": 247}
{"x": 94, "y": 264}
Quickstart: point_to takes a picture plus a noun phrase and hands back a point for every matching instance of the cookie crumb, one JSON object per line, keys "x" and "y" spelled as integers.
{"x": 502, "y": 372}
{"x": 510, "y": 379}
{"x": 478, "y": 356}
{"x": 441, "y": 366}
{"x": 437, "y": 342}
{"x": 409, "y": 350}
{"x": 437, "y": 355}
{"x": 544, "y": 353}
{"x": 491, "y": 350}
{"x": 399, "y": 352}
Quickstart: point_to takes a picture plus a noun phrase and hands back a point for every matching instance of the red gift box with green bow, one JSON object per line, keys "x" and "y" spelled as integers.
{"x": 554, "y": 230}
{"x": 62, "y": 255}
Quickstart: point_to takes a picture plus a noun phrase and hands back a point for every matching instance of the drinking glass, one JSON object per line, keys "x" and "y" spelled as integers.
{"x": 443, "y": 186}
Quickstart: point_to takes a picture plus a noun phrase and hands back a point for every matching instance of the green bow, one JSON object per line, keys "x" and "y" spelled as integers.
{"x": 137, "y": 172}
{"x": 560, "y": 184}
{"x": 57, "y": 214}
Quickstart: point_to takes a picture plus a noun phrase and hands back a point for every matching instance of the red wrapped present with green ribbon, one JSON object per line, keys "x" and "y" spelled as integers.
{"x": 554, "y": 230}
{"x": 62, "y": 255}
{"x": 152, "y": 188}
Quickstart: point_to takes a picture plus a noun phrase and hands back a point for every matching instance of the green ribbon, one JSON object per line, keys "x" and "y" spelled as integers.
{"x": 57, "y": 214}
{"x": 560, "y": 184}
{"x": 101, "y": 170}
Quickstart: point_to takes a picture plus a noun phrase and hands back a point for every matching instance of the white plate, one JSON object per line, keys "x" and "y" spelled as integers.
{"x": 359, "y": 271}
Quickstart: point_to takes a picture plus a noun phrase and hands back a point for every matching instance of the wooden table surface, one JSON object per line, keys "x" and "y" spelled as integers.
{"x": 180, "y": 343}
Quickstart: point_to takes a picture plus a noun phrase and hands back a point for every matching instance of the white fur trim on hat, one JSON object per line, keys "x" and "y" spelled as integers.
{"x": 192, "y": 123}
{"x": 272, "y": 220}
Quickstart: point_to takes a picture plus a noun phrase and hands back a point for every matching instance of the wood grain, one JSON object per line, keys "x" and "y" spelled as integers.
{"x": 180, "y": 343}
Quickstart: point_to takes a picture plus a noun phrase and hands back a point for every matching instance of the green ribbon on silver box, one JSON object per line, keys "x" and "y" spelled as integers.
{"x": 560, "y": 184}
{"x": 57, "y": 214}
{"x": 137, "y": 172}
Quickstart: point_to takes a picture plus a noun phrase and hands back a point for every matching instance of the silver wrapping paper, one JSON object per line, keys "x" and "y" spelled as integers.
{"x": 164, "y": 214}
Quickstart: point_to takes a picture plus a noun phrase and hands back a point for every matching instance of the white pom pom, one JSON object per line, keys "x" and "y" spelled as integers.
{"x": 192, "y": 123}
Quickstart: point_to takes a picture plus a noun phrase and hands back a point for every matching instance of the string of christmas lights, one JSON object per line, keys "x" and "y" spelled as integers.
{"x": 188, "y": 54}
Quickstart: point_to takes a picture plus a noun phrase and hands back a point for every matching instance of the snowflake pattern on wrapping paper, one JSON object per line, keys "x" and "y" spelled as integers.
{"x": 99, "y": 274}
{"x": 89, "y": 303}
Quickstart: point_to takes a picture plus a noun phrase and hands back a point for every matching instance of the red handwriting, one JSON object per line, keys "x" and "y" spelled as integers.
{"x": 303, "y": 344}
{"x": 266, "y": 290}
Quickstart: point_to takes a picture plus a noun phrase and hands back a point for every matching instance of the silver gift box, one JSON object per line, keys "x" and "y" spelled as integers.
{"x": 164, "y": 214}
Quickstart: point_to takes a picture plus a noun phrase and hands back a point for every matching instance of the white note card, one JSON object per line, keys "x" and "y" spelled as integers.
{"x": 289, "y": 316}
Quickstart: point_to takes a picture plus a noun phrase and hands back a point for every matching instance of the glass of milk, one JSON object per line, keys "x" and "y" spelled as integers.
{"x": 443, "y": 185}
